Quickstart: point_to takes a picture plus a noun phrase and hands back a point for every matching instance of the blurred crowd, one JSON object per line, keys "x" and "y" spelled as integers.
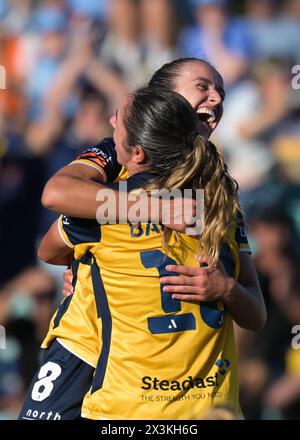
{"x": 68, "y": 63}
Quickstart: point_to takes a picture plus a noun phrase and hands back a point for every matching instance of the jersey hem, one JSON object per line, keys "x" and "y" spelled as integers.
{"x": 75, "y": 352}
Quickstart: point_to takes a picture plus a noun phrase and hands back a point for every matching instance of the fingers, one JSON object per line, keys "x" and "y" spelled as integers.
{"x": 193, "y": 298}
{"x": 67, "y": 292}
{"x": 173, "y": 280}
{"x": 183, "y": 270}
{"x": 184, "y": 290}
{"x": 68, "y": 276}
{"x": 68, "y": 287}
{"x": 180, "y": 280}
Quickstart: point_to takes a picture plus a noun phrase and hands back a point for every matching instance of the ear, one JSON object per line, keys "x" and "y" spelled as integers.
{"x": 139, "y": 155}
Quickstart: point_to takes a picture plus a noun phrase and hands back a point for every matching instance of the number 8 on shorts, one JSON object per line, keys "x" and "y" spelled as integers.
{"x": 43, "y": 387}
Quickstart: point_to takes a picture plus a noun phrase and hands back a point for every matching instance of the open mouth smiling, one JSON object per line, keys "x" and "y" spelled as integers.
{"x": 207, "y": 115}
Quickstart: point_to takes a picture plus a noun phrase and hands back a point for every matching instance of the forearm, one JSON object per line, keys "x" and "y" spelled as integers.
{"x": 245, "y": 306}
{"x": 72, "y": 196}
{"x": 80, "y": 197}
{"x": 76, "y": 197}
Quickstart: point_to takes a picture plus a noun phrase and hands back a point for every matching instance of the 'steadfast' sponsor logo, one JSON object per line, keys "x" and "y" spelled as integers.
{"x": 154, "y": 383}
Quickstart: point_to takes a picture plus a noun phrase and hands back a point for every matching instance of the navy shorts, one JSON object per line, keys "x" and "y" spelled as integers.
{"x": 58, "y": 388}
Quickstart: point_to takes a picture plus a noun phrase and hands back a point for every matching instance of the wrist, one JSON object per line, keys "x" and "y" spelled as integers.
{"x": 230, "y": 291}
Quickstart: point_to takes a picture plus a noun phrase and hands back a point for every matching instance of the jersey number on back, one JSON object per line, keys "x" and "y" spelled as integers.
{"x": 209, "y": 311}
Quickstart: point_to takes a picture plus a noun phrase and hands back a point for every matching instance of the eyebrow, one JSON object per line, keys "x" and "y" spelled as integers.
{"x": 219, "y": 89}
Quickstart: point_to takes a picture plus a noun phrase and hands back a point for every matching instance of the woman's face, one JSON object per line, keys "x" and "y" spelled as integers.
{"x": 203, "y": 87}
{"x": 124, "y": 152}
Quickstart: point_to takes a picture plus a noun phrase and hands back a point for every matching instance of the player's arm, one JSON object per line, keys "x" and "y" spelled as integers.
{"x": 72, "y": 191}
{"x": 53, "y": 249}
{"x": 244, "y": 298}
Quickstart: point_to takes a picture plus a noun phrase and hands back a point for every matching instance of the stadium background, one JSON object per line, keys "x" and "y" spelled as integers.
{"x": 67, "y": 64}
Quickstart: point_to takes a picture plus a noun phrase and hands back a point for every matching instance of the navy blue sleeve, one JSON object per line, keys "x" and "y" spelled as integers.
{"x": 104, "y": 156}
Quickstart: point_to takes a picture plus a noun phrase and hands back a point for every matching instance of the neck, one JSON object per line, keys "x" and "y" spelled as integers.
{"x": 134, "y": 168}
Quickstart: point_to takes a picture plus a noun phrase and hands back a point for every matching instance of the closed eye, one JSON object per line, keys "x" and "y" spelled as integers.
{"x": 203, "y": 86}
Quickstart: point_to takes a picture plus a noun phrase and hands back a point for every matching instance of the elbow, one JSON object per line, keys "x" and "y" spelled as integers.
{"x": 258, "y": 325}
{"x": 262, "y": 317}
{"x": 259, "y": 322}
{"x": 43, "y": 256}
{"x": 263, "y": 320}
{"x": 51, "y": 195}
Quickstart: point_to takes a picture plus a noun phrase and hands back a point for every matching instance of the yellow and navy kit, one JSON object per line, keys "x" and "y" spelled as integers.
{"x": 103, "y": 157}
{"x": 158, "y": 358}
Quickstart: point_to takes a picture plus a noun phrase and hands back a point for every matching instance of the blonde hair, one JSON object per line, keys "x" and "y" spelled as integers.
{"x": 204, "y": 168}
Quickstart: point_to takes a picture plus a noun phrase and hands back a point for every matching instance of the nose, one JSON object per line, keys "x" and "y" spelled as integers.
{"x": 215, "y": 97}
{"x": 112, "y": 121}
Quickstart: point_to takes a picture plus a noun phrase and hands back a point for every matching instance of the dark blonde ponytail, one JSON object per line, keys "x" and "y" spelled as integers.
{"x": 221, "y": 204}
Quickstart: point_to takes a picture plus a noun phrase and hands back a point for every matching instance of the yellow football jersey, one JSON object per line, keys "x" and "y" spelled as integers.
{"x": 159, "y": 358}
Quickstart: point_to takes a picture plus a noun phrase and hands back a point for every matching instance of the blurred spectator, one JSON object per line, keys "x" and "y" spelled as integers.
{"x": 20, "y": 192}
{"x": 51, "y": 26}
{"x": 273, "y": 34}
{"x": 219, "y": 38}
{"x": 158, "y": 28}
{"x": 15, "y": 15}
{"x": 262, "y": 355}
{"x": 94, "y": 9}
{"x": 120, "y": 47}
{"x": 26, "y": 306}
{"x": 283, "y": 396}
{"x": 257, "y": 114}
{"x": 292, "y": 9}
{"x": 145, "y": 32}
